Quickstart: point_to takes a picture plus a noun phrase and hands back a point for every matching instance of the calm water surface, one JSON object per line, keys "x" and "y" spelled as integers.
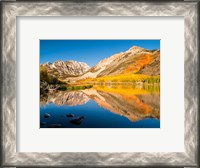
{"x": 102, "y": 107}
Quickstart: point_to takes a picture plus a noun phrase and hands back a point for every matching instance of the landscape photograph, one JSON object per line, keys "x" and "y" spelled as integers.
{"x": 99, "y": 83}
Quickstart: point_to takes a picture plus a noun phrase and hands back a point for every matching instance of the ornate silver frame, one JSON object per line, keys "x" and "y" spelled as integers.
{"x": 10, "y": 11}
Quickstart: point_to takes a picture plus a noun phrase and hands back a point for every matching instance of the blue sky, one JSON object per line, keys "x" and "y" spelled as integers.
{"x": 88, "y": 51}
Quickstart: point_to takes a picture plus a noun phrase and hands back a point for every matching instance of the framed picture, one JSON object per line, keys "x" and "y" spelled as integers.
{"x": 99, "y": 83}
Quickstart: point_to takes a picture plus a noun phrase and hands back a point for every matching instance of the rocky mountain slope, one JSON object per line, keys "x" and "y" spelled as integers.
{"x": 136, "y": 60}
{"x": 153, "y": 68}
{"x": 63, "y": 70}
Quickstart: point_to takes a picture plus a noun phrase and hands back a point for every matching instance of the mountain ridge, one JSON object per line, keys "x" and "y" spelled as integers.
{"x": 131, "y": 61}
{"x": 135, "y": 60}
{"x": 63, "y": 69}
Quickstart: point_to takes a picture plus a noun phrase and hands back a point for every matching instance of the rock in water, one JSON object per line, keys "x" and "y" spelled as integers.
{"x": 77, "y": 120}
{"x": 70, "y": 115}
{"x": 43, "y": 123}
{"x": 46, "y": 115}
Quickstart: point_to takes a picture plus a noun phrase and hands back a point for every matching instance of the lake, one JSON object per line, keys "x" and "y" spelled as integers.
{"x": 111, "y": 106}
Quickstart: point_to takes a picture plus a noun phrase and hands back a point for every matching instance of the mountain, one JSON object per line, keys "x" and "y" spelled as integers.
{"x": 63, "y": 70}
{"x": 136, "y": 60}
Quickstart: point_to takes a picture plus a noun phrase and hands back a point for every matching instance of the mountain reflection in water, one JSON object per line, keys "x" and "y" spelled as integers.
{"x": 102, "y": 107}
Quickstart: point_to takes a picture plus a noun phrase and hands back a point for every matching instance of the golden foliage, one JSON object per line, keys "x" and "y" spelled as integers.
{"x": 130, "y": 78}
